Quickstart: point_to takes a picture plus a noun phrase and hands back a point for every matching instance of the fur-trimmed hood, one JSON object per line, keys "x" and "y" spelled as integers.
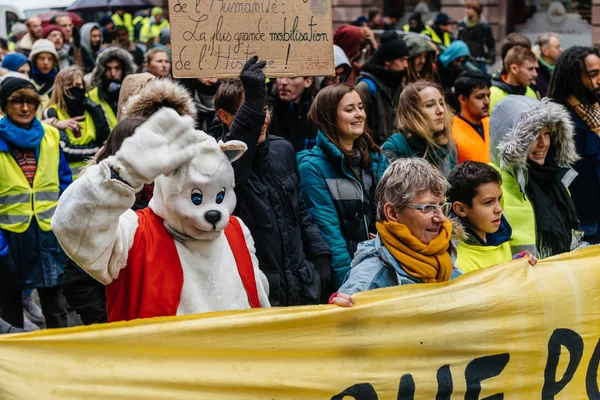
{"x": 516, "y": 122}
{"x": 105, "y": 56}
{"x": 158, "y": 93}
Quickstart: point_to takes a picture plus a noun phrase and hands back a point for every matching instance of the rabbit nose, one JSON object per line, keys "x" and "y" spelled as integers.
{"x": 213, "y": 216}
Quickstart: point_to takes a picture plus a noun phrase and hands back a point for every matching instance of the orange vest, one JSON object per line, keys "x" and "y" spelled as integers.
{"x": 470, "y": 145}
{"x": 151, "y": 283}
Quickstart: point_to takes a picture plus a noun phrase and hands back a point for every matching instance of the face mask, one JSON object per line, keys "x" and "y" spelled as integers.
{"x": 75, "y": 104}
{"x": 77, "y": 94}
{"x": 114, "y": 86}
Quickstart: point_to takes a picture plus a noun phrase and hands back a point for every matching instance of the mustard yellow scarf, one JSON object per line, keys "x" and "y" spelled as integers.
{"x": 430, "y": 263}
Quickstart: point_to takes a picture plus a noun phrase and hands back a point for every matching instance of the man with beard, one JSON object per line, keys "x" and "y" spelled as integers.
{"x": 575, "y": 84}
{"x": 471, "y": 127}
{"x": 112, "y": 66}
{"x": 380, "y": 84}
{"x": 34, "y": 32}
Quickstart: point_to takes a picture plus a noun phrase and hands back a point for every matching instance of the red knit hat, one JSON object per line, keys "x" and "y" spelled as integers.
{"x": 51, "y": 28}
{"x": 348, "y": 37}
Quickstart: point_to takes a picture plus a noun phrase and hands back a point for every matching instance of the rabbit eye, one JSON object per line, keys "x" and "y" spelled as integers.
{"x": 197, "y": 197}
{"x": 220, "y": 196}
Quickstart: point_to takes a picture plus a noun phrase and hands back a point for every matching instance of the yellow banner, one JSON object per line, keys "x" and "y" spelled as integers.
{"x": 512, "y": 331}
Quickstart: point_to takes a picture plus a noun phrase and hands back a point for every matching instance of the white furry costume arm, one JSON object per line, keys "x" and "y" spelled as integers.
{"x": 262, "y": 284}
{"x": 94, "y": 224}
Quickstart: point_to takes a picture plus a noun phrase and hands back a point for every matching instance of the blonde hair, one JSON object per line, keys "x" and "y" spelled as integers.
{"x": 410, "y": 119}
{"x": 66, "y": 77}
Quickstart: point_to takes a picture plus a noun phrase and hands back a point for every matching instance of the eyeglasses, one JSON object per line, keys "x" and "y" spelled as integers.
{"x": 432, "y": 208}
{"x": 66, "y": 25}
{"x": 20, "y": 101}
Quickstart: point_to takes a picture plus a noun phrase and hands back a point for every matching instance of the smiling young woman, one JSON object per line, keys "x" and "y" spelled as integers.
{"x": 339, "y": 175}
{"x": 425, "y": 130}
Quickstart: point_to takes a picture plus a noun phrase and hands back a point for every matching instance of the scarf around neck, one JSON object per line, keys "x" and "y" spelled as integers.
{"x": 545, "y": 64}
{"x": 553, "y": 208}
{"x": 590, "y": 114}
{"x": 430, "y": 263}
{"x": 20, "y": 137}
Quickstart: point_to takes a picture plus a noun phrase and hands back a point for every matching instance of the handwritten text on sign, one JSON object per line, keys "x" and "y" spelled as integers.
{"x": 215, "y": 38}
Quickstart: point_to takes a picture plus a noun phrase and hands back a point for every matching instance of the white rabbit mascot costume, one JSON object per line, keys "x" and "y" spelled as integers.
{"x": 170, "y": 258}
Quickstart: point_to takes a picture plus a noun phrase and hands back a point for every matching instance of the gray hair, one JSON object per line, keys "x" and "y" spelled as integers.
{"x": 404, "y": 179}
{"x": 544, "y": 38}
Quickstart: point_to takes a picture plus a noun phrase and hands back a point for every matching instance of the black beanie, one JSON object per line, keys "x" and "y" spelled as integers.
{"x": 10, "y": 85}
{"x": 391, "y": 48}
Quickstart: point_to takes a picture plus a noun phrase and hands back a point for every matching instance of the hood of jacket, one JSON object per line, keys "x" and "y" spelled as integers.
{"x": 417, "y": 44}
{"x": 131, "y": 86}
{"x": 84, "y": 34}
{"x": 155, "y": 94}
{"x": 457, "y": 49}
{"x": 107, "y": 55}
{"x": 516, "y": 122}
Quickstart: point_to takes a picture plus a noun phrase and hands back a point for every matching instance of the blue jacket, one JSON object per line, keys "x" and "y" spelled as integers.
{"x": 33, "y": 258}
{"x": 405, "y": 145}
{"x": 337, "y": 201}
{"x": 374, "y": 267}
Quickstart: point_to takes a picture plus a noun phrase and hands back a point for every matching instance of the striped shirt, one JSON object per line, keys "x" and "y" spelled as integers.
{"x": 27, "y": 162}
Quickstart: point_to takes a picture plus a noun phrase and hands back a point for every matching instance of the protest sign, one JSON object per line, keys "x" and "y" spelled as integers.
{"x": 512, "y": 331}
{"x": 215, "y": 38}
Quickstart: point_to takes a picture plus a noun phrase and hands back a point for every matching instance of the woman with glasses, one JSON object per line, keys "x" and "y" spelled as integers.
{"x": 82, "y": 124}
{"x": 339, "y": 175}
{"x": 34, "y": 174}
{"x": 425, "y": 124}
{"x": 413, "y": 234}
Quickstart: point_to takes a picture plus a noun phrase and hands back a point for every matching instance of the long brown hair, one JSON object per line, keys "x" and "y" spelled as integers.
{"x": 323, "y": 113}
{"x": 410, "y": 118}
{"x": 66, "y": 77}
{"x": 426, "y": 73}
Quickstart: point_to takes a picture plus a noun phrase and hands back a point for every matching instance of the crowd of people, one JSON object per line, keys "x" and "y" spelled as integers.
{"x": 411, "y": 164}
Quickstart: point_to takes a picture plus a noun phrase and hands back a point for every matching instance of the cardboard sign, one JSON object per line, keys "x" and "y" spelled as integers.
{"x": 508, "y": 332}
{"x": 215, "y": 38}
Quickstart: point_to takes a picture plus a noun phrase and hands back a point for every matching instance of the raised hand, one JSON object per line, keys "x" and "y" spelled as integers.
{"x": 159, "y": 146}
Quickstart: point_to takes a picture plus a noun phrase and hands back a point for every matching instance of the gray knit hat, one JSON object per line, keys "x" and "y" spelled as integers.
{"x": 18, "y": 28}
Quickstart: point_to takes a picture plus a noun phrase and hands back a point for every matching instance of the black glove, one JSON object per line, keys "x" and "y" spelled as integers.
{"x": 254, "y": 82}
{"x": 321, "y": 263}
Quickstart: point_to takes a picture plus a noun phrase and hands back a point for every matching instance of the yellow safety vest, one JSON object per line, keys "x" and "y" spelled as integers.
{"x": 19, "y": 202}
{"x": 435, "y": 37}
{"x": 519, "y": 213}
{"x": 497, "y": 94}
{"x": 126, "y": 21}
{"x": 94, "y": 96}
{"x": 88, "y": 135}
{"x": 423, "y": 32}
{"x": 151, "y": 30}
{"x": 473, "y": 257}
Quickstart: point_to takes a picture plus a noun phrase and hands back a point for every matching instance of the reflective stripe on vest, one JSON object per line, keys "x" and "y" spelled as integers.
{"x": 88, "y": 135}
{"x": 17, "y": 206}
{"x": 126, "y": 21}
{"x": 94, "y": 96}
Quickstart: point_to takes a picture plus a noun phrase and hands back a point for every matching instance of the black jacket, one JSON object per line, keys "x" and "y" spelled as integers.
{"x": 479, "y": 38}
{"x": 269, "y": 203}
{"x": 290, "y": 121}
{"x": 542, "y": 83}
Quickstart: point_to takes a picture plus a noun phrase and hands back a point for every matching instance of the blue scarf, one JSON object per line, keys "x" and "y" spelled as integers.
{"x": 40, "y": 78}
{"x": 20, "y": 137}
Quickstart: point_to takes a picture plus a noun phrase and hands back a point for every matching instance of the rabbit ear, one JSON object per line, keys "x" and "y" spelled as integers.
{"x": 233, "y": 149}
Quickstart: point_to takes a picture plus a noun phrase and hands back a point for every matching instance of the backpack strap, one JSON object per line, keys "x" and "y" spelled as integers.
{"x": 239, "y": 247}
{"x": 370, "y": 83}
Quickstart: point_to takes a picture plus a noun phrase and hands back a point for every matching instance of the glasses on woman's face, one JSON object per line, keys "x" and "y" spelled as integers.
{"x": 20, "y": 102}
{"x": 432, "y": 208}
